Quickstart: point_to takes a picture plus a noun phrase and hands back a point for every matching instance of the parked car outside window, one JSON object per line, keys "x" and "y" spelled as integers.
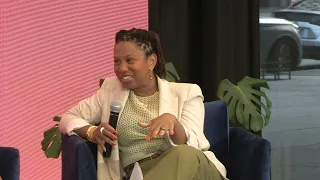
{"x": 306, "y": 14}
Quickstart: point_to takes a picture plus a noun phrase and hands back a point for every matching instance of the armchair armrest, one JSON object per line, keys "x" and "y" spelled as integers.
{"x": 249, "y": 156}
{"x": 78, "y": 159}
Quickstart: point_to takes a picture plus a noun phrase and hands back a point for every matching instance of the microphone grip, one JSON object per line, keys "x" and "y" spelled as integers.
{"x": 107, "y": 154}
{"x": 113, "y": 119}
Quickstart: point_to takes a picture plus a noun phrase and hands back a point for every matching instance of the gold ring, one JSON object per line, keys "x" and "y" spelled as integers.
{"x": 164, "y": 127}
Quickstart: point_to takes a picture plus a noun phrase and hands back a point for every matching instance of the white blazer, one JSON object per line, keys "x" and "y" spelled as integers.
{"x": 183, "y": 100}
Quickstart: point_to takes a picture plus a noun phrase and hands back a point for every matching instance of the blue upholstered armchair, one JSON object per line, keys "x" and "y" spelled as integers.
{"x": 9, "y": 163}
{"x": 245, "y": 155}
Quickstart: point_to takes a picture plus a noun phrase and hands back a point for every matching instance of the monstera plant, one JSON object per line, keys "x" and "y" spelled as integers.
{"x": 51, "y": 143}
{"x": 248, "y": 105}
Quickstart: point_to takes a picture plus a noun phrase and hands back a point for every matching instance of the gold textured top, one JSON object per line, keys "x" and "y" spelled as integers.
{"x": 132, "y": 143}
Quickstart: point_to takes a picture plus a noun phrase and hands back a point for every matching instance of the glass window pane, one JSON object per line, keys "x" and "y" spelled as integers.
{"x": 290, "y": 62}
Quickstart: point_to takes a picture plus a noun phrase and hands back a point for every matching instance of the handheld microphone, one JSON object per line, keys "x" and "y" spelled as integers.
{"x": 115, "y": 109}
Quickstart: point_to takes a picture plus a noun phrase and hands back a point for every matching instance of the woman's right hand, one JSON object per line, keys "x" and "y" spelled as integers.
{"x": 108, "y": 135}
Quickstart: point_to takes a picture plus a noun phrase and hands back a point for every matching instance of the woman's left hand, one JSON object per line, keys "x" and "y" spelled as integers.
{"x": 159, "y": 125}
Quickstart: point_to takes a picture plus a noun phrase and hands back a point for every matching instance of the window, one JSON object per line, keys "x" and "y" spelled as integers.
{"x": 290, "y": 62}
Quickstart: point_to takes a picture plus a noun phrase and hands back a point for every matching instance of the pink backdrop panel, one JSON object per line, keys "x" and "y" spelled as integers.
{"x": 52, "y": 54}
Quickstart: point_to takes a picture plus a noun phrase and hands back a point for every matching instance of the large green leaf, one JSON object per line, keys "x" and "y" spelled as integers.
{"x": 54, "y": 150}
{"x": 246, "y": 103}
{"x": 57, "y": 118}
{"x": 51, "y": 143}
{"x": 171, "y": 73}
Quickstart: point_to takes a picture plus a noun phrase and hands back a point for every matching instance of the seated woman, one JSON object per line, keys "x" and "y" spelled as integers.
{"x": 160, "y": 125}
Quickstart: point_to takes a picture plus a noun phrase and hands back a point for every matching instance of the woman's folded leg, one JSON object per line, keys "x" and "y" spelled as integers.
{"x": 182, "y": 162}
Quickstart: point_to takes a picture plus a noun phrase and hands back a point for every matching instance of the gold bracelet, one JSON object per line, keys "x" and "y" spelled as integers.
{"x": 89, "y": 134}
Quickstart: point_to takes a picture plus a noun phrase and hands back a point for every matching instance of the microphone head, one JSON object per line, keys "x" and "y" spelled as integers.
{"x": 115, "y": 106}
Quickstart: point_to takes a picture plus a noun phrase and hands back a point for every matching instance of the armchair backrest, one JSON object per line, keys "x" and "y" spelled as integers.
{"x": 216, "y": 129}
{"x": 9, "y": 163}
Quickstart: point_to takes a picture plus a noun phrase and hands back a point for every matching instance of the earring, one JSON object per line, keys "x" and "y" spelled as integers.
{"x": 150, "y": 75}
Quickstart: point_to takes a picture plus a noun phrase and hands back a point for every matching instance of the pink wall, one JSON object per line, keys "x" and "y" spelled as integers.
{"x": 52, "y": 54}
